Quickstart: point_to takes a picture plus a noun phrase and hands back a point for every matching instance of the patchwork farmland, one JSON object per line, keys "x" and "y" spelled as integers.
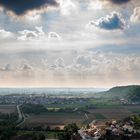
{"x": 7, "y": 109}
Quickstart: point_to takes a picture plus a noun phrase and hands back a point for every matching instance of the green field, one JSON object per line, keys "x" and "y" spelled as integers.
{"x": 102, "y": 103}
{"x": 70, "y": 105}
{"x": 99, "y": 116}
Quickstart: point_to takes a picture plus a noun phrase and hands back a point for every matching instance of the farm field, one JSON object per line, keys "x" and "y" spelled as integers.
{"x": 59, "y": 119}
{"x": 110, "y": 113}
{"x": 133, "y": 108}
{"x": 54, "y": 119}
{"x": 7, "y": 109}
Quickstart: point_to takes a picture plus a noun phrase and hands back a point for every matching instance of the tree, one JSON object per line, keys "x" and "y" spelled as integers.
{"x": 69, "y": 130}
{"x": 40, "y": 137}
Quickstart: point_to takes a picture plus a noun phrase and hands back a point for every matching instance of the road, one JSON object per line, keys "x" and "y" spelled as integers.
{"x": 21, "y": 116}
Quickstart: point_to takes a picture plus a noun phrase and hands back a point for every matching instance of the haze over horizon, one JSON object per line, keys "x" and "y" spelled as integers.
{"x": 69, "y": 43}
{"x": 65, "y": 87}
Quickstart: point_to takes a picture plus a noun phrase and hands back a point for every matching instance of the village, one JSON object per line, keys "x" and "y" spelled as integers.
{"x": 114, "y": 129}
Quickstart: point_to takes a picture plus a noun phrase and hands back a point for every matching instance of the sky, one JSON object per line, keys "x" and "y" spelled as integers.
{"x": 69, "y": 43}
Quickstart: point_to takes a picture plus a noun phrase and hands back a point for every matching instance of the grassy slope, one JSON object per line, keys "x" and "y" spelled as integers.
{"x": 130, "y": 92}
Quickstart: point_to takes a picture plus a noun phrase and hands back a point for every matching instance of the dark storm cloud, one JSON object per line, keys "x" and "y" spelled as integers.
{"x": 20, "y": 7}
{"x": 119, "y": 1}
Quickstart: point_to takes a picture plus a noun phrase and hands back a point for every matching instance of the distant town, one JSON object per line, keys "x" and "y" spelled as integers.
{"x": 41, "y": 99}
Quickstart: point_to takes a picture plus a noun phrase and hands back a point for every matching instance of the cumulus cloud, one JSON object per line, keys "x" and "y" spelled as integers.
{"x": 60, "y": 63}
{"x": 26, "y": 67}
{"x": 87, "y": 68}
{"x": 27, "y": 35}
{"x": 5, "y": 34}
{"x": 53, "y": 36}
{"x": 30, "y": 35}
{"x": 67, "y": 7}
{"x": 135, "y": 18}
{"x": 114, "y": 21}
{"x": 7, "y": 67}
{"x": 83, "y": 60}
{"x": 108, "y": 64}
{"x": 23, "y": 6}
{"x": 33, "y": 17}
{"x": 97, "y": 5}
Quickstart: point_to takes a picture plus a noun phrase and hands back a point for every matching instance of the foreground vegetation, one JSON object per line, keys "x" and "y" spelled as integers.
{"x": 10, "y": 131}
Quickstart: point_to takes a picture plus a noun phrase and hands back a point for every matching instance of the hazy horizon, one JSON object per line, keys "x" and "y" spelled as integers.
{"x": 70, "y": 87}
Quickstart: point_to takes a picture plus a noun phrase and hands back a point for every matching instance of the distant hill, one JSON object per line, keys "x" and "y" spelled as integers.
{"x": 131, "y": 92}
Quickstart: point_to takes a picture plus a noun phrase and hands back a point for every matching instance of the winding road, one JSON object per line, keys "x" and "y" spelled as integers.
{"x": 21, "y": 116}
